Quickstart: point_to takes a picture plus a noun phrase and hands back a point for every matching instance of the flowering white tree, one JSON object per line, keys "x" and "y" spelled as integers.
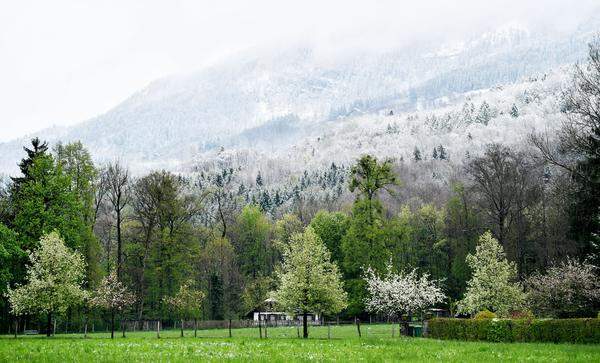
{"x": 569, "y": 289}
{"x": 394, "y": 294}
{"x": 113, "y": 296}
{"x": 54, "y": 281}
{"x": 493, "y": 284}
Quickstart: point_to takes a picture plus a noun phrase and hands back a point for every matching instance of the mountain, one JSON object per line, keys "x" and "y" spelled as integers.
{"x": 270, "y": 100}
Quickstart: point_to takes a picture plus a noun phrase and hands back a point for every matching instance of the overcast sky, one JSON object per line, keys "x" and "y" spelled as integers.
{"x": 62, "y": 62}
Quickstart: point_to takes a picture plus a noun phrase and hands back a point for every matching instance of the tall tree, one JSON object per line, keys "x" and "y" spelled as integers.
{"x": 364, "y": 244}
{"x": 11, "y": 260}
{"x": 218, "y": 269}
{"x": 331, "y": 228}
{"x": 45, "y": 202}
{"x": 117, "y": 178}
{"x": 368, "y": 177}
{"x": 251, "y": 241}
{"x": 38, "y": 148}
{"x": 462, "y": 229}
{"x": 310, "y": 282}
{"x": 504, "y": 179}
{"x": 76, "y": 162}
{"x": 578, "y": 149}
{"x": 284, "y": 229}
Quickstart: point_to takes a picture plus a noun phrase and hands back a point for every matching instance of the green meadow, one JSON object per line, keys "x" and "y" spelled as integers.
{"x": 282, "y": 345}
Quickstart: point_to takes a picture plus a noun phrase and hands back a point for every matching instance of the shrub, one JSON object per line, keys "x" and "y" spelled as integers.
{"x": 517, "y": 330}
{"x": 524, "y": 314}
{"x": 484, "y": 314}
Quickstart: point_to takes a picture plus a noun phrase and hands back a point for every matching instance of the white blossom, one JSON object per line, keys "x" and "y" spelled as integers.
{"x": 394, "y": 294}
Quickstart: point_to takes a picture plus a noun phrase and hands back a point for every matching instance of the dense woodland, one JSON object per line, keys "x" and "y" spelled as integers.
{"x": 227, "y": 234}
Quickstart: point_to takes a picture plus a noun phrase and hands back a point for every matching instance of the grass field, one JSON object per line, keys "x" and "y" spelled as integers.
{"x": 281, "y": 346}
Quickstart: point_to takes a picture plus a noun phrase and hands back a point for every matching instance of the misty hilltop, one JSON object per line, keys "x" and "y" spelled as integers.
{"x": 276, "y": 100}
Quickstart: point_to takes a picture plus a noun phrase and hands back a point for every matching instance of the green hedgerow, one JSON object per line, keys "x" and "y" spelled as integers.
{"x": 484, "y": 314}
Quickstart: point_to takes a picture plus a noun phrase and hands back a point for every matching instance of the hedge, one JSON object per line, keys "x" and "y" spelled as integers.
{"x": 522, "y": 330}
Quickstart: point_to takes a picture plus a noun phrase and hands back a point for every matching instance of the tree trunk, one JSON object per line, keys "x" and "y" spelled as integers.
{"x": 259, "y": 327}
{"x": 119, "y": 251}
{"x": 305, "y": 325}
{"x": 182, "y": 328}
{"x": 358, "y": 328}
{"x": 230, "y": 328}
{"x": 123, "y": 327}
{"x": 195, "y": 328}
{"x": 112, "y": 325}
{"x": 49, "y": 326}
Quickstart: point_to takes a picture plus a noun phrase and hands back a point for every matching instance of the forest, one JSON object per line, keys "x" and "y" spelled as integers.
{"x": 227, "y": 237}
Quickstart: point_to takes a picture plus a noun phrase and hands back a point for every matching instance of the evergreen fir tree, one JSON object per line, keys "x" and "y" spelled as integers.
{"x": 514, "y": 111}
{"x": 485, "y": 114}
{"x": 39, "y": 148}
{"x": 259, "y": 180}
{"x": 417, "y": 154}
{"x": 442, "y": 153}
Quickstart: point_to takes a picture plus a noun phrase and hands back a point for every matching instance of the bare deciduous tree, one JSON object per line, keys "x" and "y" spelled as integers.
{"x": 117, "y": 179}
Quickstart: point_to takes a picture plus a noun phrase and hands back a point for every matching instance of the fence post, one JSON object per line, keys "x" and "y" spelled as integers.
{"x": 358, "y": 327}
{"x": 123, "y": 327}
{"x": 259, "y": 327}
{"x": 16, "y": 326}
{"x": 298, "y": 327}
{"x": 158, "y": 329}
{"x": 230, "y": 328}
{"x": 266, "y": 324}
{"x": 85, "y": 330}
{"x": 328, "y": 330}
{"x": 195, "y": 327}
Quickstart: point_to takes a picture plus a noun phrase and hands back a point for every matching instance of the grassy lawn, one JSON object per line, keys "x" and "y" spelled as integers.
{"x": 282, "y": 345}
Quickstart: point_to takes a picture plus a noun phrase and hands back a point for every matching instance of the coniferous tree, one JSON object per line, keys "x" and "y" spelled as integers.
{"x": 259, "y": 180}
{"x": 417, "y": 154}
{"x": 442, "y": 153}
{"x": 514, "y": 111}
{"x": 39, "y": 148}
{"x": 44, "y": 202}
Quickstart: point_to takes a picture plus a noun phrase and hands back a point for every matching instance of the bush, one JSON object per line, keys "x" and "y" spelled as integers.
{"x": 525, "y": 314}
{"x": 484, "y": 314}
{"x": 517, "y": 330}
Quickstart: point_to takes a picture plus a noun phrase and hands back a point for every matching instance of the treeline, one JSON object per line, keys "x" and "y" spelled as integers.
{"x": 160, "y": 231}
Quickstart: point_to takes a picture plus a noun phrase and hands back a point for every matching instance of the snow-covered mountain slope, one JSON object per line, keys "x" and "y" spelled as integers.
{"x": 505, "y": 114}
{"x": 269, "y": 100}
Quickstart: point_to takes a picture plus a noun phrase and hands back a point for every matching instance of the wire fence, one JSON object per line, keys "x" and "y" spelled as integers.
{"x": 323, "y": 329}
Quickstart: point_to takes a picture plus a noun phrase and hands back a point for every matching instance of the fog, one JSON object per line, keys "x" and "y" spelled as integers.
{"x": 62, "y": 62}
